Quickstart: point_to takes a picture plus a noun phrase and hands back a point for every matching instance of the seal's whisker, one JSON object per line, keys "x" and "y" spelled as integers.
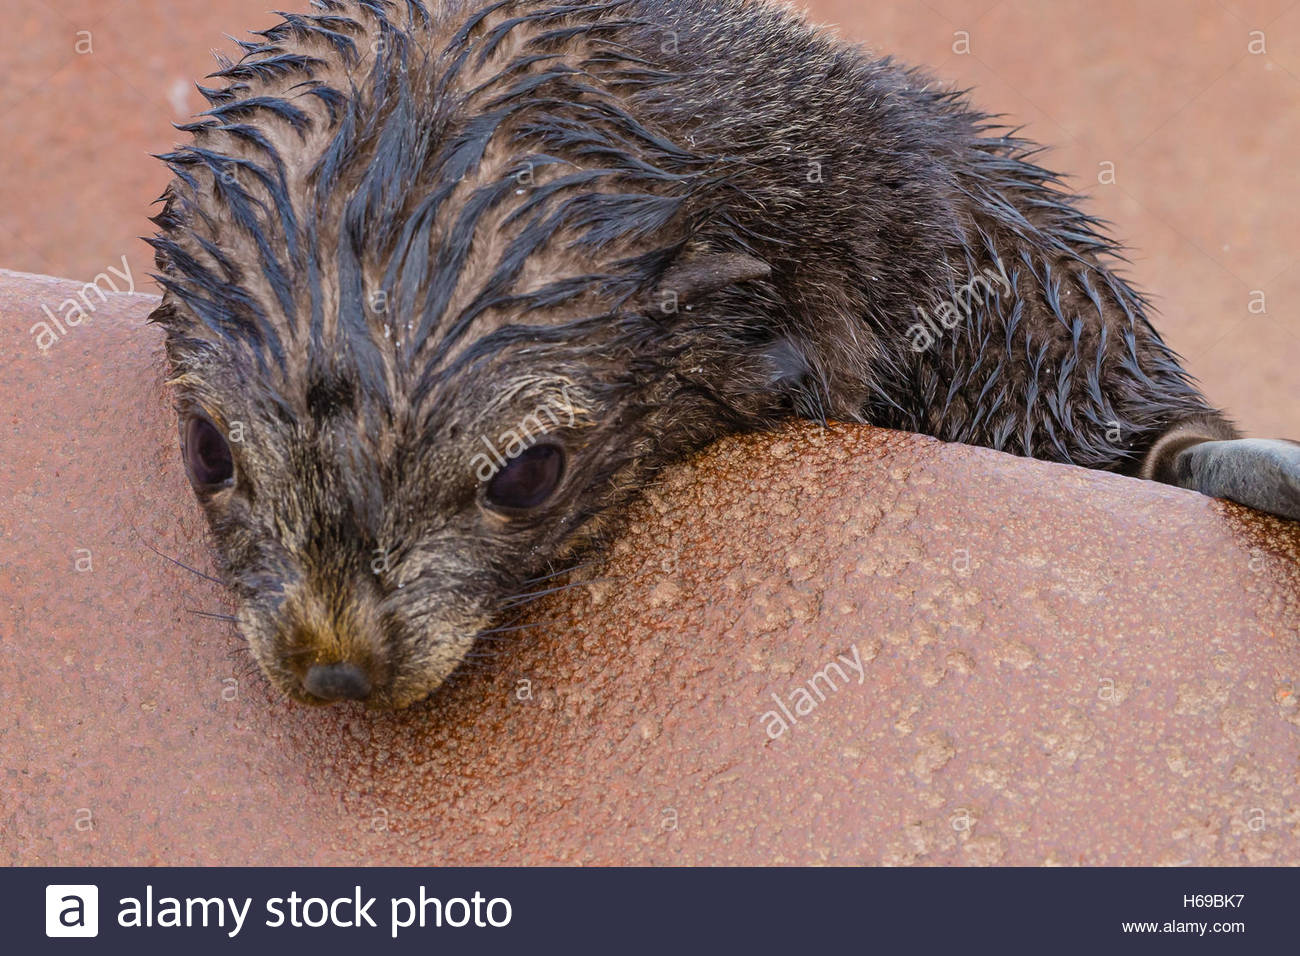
{"x": 219, "y": 617}
{"x": 515, "y": 600}
{"x": 511, "y": 627}
{"x": 555, "y": 574}
{"x": 180, "y": 564}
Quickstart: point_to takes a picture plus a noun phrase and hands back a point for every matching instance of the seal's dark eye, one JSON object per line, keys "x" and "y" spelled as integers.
{"x": 207, "y": 456}
{"x": 527, "y": 479}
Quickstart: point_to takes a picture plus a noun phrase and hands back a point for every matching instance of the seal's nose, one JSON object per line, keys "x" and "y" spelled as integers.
{"x": 341, "y": 681}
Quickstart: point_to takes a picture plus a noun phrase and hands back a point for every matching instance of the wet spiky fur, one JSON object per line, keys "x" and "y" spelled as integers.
{"x": 702, "y": 215}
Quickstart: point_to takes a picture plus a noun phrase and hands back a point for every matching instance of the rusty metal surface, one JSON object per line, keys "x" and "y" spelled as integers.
{"x": 1040, "y": 664}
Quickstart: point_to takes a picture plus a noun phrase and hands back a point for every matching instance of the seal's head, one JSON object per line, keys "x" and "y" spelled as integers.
{"x": 437, "y": 299}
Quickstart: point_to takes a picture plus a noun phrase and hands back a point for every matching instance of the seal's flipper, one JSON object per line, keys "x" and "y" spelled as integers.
{"x": 1261, "y": 473}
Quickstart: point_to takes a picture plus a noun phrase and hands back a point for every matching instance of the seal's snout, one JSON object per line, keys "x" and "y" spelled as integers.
{"x": 340, "y": 681}
{"x": 322, "y": 656}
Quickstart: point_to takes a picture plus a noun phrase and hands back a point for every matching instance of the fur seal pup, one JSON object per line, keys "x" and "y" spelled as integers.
{"x": 446, "y": 283}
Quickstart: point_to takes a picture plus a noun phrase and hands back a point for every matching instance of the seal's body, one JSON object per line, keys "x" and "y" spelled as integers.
{"x": 444, "y": 285}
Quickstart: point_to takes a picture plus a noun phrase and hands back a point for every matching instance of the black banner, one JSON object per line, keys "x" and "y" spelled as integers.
{"x": 662, "y": 911}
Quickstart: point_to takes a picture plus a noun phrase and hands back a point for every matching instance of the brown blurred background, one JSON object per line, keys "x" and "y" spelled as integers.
{"x": 1196, "y": 103}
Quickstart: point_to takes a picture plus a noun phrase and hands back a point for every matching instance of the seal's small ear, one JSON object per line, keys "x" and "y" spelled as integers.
{"x": 790, "y": 370}
{"x": 693, "y": 276}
